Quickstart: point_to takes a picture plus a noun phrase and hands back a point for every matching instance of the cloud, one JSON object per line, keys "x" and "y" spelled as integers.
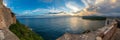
{"x": 73, "y": 6}
{"x": 5, "y": 3}
{"x": 34, "y": 12}
{"x": 53, "y": 10}
{"x": 106, "y": 7}
{"x": 109, "y": 6}
{"x": 39, "y": 11}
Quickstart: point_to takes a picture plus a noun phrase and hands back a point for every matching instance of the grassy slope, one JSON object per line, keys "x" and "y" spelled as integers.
{"x": 23, "y": 32}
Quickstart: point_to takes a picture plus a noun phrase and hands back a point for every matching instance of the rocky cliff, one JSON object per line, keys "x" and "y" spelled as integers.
{"x": 6, "y": 19}
{"x": 6, "y": 16}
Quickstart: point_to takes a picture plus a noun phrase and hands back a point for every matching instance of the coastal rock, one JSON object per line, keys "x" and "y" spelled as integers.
{"x": 6, "y": 19}
{"x": 2, "y": 37}
{"x": 6, "y": 16}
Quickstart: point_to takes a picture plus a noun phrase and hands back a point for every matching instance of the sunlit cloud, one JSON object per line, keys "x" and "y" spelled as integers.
{"x": 102, "y": 7}
{"x": 113, "y": 1}
{"x": 73, "y": 6}
{"x": 99, "y": 1}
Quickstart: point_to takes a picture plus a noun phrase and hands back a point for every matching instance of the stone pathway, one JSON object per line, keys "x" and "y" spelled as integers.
{"x": 6, "y": 34}
{"x": 2, "y": 37}
{"x": 9, "y": 35}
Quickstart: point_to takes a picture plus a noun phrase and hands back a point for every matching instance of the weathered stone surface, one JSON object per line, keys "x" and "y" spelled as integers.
{"x": 6, "y": 16}
{"x": 9, "y": 35}
{"x": 6, "y": 19}
{"x": 2, "y": 37}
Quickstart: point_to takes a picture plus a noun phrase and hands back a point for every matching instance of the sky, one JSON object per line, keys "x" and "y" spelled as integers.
{"x": 85, "y": 7}
{"x": 36, "y": 7}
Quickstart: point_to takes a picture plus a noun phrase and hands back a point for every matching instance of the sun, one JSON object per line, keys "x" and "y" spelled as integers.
{"x": 113, "y": 1}
{"x": 72, "y": 14}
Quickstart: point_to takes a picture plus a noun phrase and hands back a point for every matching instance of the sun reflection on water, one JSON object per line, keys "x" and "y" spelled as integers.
{"x": 78, "y": 24}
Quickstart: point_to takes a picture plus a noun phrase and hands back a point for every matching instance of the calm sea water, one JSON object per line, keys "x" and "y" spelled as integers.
{"x": 52, "y": 28}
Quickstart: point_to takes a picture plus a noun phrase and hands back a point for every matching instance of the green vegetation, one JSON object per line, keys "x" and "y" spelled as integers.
{"x": 94, "y": 17}
{"x": 23, "y": 32}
